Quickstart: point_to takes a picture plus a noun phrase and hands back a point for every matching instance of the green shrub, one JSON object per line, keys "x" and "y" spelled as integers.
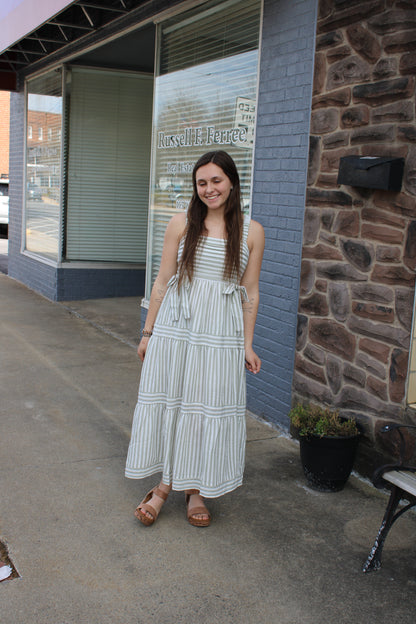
{"x": 321, "y": 421}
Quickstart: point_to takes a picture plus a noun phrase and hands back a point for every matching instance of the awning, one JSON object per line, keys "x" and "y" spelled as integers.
{"x": 20, "y": 17}
{"x": 32, "y": 30}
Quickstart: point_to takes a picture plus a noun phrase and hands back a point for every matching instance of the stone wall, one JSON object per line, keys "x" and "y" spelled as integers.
{"x": 359, "y": 245}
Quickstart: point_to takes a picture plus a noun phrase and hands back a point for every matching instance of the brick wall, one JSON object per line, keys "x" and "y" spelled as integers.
{"x": 278, "y": 197}
{"x": 359, "y": 253}
{"x": 4, "y": 132}
{"x": 285, "y": 91}
{"x": 92, "y": 283}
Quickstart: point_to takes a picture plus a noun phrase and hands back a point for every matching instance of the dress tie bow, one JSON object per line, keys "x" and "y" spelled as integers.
{"x": 179, "y": 299}
{"x": 238, "y": 296}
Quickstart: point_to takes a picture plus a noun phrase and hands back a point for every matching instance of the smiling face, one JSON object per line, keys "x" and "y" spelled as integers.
{"x": 213, "y": 186}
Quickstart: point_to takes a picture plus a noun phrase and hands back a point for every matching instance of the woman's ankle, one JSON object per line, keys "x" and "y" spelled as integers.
{"x": 165, "y": 488}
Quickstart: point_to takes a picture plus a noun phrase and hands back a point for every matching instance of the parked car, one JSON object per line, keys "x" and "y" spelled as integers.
{"x": 34, "y": 191}
{"x": 4, "y": 204}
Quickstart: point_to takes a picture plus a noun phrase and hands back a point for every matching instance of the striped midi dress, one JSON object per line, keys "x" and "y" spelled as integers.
{"x": 189, "y": 421}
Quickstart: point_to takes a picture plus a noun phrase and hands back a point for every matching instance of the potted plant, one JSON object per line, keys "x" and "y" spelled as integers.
{"x": 328, "y": 445}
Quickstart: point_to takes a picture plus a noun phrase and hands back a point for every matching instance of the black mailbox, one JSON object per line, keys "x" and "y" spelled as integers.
{"x": 371, "y": 172}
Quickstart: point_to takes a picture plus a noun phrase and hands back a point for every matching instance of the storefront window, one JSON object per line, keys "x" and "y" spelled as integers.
{"x": 43, "y": 164}
{"x": 205, "y": 99}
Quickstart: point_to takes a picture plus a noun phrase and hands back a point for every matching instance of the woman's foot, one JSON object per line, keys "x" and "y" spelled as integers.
{"x": 149, "y": 509}
{"x": 198, "y": 514}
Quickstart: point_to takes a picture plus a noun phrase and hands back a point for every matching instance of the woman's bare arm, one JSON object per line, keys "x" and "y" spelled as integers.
{"x": 250, "y": 280}
{"x": 168, "y": 267}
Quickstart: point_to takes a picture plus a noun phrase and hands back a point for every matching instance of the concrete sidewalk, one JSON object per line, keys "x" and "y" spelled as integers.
{"x": 276, "y": 552}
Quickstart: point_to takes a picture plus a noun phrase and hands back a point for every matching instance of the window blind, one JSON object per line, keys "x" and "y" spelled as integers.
{"x": 108, "y": 166}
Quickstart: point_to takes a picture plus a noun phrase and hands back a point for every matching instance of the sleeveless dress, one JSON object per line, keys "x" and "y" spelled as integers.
{"x": 189, "y": 422}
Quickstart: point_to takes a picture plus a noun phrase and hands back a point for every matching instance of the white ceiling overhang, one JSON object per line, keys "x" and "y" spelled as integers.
{"x": 18, "y": 18}
{"x": 31, "y": 30}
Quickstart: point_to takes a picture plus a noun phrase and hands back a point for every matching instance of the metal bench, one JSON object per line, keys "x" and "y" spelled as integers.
{"x": 401, "y": 480}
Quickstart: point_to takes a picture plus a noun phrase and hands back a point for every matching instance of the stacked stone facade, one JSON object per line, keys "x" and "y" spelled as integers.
{"x": 359, "y": 245}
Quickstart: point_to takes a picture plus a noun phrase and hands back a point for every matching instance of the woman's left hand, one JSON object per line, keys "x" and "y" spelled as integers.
{"x": 253, "y": 362}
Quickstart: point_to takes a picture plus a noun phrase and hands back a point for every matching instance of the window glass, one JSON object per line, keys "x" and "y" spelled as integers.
{"x": 110, "y": 129}
{"x": 43, "y": 164}
{"x": 205, "y": 99}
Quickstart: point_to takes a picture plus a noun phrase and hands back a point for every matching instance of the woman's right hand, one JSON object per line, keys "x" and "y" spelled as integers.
{"x": 168, "y": 268}
{"x": 142, "y": 348}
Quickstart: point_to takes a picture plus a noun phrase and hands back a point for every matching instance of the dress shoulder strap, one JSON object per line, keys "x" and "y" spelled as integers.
{"x": 246, "y": 225}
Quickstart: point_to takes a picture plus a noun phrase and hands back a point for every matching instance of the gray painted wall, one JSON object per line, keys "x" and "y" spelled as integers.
{"x": 280, "y": 171}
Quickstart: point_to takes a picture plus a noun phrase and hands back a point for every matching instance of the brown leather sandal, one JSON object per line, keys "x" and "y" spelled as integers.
{"x": 198, "y": 522}
{"x": 146, "y": 507}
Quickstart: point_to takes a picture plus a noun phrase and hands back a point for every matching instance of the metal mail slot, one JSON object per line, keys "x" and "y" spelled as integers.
{"x": 371, "y": 172}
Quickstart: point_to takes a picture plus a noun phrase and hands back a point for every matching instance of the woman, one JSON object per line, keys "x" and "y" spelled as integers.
{"x": 189, "y": 421}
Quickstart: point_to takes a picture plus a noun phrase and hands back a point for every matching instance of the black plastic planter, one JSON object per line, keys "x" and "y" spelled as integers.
{"x": 327, "y": 462}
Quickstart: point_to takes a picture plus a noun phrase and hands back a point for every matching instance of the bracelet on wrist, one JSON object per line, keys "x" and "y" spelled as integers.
{"x": 146, "y": 333}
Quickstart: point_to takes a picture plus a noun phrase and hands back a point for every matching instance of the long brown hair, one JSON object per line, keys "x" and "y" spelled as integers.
{"x": 197, "y": 212}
